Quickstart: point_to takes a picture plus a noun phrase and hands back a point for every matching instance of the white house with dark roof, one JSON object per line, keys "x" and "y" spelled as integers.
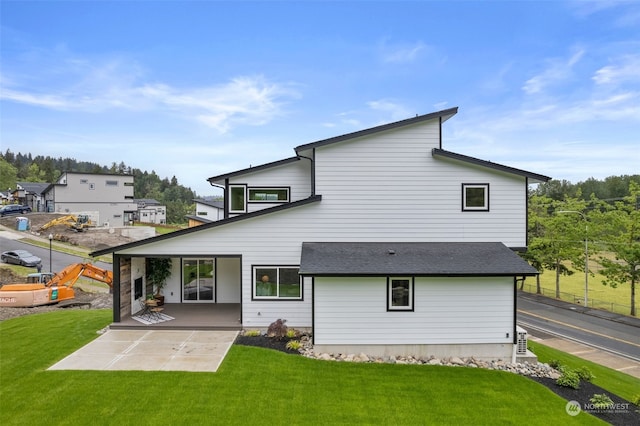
{"x": 206, "y": 211}
{"x": 377, "y": 241}
{"x": 150, "y": 211}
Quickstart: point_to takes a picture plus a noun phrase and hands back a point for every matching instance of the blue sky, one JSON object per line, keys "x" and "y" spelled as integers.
{"x": 197, "y": 89}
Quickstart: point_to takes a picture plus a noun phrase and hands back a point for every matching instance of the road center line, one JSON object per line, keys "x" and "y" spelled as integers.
{"x": 579, "y": 328}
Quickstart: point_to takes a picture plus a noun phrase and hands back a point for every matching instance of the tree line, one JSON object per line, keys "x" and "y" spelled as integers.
{"x": 28, "y": 168}
{"x": 569, "y": 228}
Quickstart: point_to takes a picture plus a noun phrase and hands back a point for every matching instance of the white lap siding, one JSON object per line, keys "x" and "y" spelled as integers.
{"x": 353, "y": 311}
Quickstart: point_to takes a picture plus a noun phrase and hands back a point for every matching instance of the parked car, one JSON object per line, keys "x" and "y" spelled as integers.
{"x": 20, "y": 257}
{"x": 14, "y": 209}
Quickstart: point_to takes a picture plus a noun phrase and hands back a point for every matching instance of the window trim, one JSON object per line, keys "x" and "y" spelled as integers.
{"x": 266, "y": 188}
{"x": 230, "y": 202}
{"x": 408, "y": 308}
{"x": 277, "y": 298}
{"x": 484, "y": 207}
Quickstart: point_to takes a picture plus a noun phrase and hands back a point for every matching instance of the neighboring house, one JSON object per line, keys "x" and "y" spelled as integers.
{"x": 150, "y": 211}
{"x": 31, "y": 194}
{"x": 107, "y": 198}
{"x": 206, "y": 211}
{"x": 379, "y": 241}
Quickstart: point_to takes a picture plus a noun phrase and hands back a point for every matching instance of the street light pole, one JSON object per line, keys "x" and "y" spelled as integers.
{"x": 50, "y": 251}
{"x": 586, "y": 254}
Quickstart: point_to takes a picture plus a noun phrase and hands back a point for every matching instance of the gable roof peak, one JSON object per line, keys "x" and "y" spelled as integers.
{"x": 444, "y": 114}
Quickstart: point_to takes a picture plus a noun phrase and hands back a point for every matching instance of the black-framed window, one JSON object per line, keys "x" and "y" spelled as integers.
{"x": 400, "y": 293}
{"x": 237, "y": 198}
{"x": 277, "y": 282}
{"x": 475, "y": 197}
{"x": 268, "y": 195}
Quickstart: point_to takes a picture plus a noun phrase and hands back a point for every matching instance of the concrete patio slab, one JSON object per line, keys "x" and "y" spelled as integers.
{"x": 152, "y": 350}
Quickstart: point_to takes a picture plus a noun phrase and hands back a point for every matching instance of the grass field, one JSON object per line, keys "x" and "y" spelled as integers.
{"x": 253, "y": 386}
{"x": 623, "y": 385}
{"x": 572, "y": 287}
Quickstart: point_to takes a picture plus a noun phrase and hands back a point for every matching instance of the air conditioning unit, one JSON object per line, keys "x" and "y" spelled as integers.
{"x": 521, "y": 342}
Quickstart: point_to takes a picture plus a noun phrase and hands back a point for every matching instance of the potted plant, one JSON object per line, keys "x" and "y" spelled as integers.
{"x": 158, "y": 270}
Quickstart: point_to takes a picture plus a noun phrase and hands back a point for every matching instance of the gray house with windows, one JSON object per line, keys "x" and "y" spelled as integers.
{"x": 106, "y": 198}
{"x": 378, "y": 241}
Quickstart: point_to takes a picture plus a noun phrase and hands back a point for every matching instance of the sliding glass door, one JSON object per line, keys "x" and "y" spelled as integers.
{"x": 198, "y": 280}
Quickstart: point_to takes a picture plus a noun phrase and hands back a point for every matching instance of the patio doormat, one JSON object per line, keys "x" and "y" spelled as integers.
{"x": 154, "y": 319}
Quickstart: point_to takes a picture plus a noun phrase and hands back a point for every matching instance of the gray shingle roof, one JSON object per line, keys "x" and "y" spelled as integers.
{"x": 425, "y": 259}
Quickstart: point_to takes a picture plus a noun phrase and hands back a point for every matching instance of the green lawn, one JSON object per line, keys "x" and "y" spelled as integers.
{"x": 253, "y": 386}
{"x": 572, "y": 288}
{"x": 623, "y": 385}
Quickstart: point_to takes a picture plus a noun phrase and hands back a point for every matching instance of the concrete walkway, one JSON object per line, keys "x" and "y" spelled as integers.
{"x": 615, "y": 362}
{"x": 165, "y": 350}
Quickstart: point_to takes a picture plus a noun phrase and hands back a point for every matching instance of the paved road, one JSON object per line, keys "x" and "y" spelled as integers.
{"x": 58, "y": 260}
{"x": 611, "y": 336}
{"x": 599, "y": 336}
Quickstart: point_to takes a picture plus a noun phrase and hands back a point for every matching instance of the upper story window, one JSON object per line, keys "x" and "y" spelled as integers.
{"x": 475, "y": 197}
{"x": 262, "y": 195}
{"x": 111, "y": 182}
{"x": 84, "y": 181}
{"x": 400, "y": 294}
{"x": 128, "y": 184}
{"x": 237, "y": 198}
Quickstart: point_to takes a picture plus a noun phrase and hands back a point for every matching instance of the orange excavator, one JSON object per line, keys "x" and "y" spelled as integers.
{"x": 47, "y": 288}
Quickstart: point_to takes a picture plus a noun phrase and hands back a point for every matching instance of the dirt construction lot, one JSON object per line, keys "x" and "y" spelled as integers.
{"x": 92, "y": 239}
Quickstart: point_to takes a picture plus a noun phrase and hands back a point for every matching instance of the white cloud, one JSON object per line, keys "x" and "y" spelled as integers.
{"x": 246, "y": 100}
{"x": 626, "y": 68}
{"x": 557, "y": 70}
{"x": 82, "y": 85}
{"x": 401, "y": 53}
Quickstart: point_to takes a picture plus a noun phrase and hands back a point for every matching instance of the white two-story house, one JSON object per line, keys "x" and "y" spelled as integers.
{"x": 378, "y": 241}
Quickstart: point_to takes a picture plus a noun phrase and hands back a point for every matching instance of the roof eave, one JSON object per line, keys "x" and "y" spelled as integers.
{"x": 204, "y": 226}
{"x": 220, "y": 178}
{"x": 484, "y": 163}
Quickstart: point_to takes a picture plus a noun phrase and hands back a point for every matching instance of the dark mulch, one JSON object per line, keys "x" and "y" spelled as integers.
{"x": 624, "y": 416}
{"x": 279, "y": 344}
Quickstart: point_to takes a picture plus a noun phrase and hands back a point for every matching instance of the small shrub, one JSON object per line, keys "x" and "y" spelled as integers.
{"x": 585, "y": 374}
{"x": 291, "y": 333}
{"x": 601, "y": 401}
{"x": 554, "y": 363}
{"x": 636, "y": 400}
{"x": 277, "y": 329}
{"x": 293, "y": 345}
{"x": 569, "y": 379}
{"x": 252, "y": 333}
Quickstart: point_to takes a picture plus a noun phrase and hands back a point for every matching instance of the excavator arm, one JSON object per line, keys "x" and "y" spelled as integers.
{"x": 59, "y": 288}
{"x": 72, "y": 273}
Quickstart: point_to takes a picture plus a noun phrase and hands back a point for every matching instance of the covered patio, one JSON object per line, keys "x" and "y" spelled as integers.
{"x": 190, "y": 316}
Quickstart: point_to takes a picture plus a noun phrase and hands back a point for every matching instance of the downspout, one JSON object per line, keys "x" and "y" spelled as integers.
{"x": 526, "y": 212}
{"x": 515, "y": 309}
{"x": 313, "y": 171}
{"x": 440, "y": 131}
{"x": 225, "y": 198}
{"x": 313, "y": 310}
